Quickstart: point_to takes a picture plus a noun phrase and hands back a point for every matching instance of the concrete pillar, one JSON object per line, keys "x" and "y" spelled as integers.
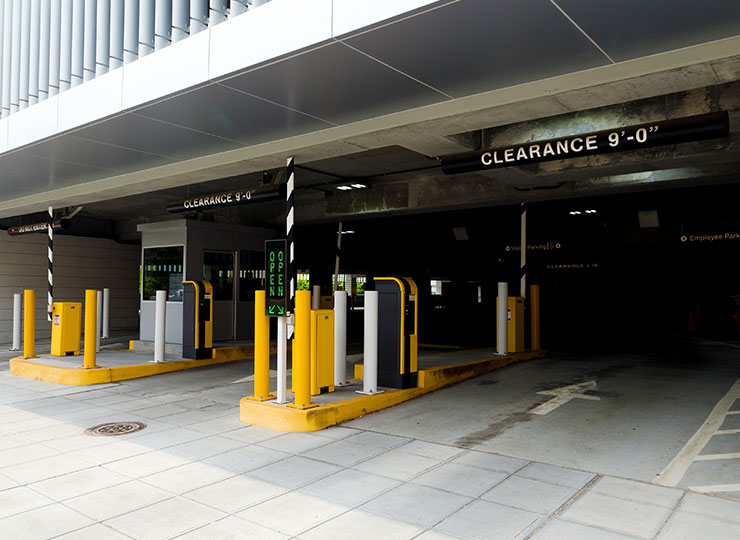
{"x": 102, "y": 37}
{"x": 180, "y": 19}
{"x": 117, "y": 23}
{"x": 162, "y": 24}
{"x": 44, "y": 49}
{"x": 90, "y": 39}
{"x": 131, "y": 31}
{"x": 78, "y": 42}
{"x": 146, "y": 27}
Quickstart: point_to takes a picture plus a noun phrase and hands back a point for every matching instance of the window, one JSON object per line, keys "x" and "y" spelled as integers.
{"x": 162, "y": 271}
{"x": 251, "y": 274}
{"x": 218, "y": 270}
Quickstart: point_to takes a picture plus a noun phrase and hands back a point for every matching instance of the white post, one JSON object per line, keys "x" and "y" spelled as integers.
{"x": 370, "y": 346}
{"x": 340, "y": 339}
{"x": 316, "y": 297}
{"x": 282, "y": 360}
{"x": 16, "y": 323}
{"x": 159, "y": 326}
{"x": 502, "y": 307}
{"x": 99, "y": 320}
{"x": 523, "y": 255}
{"x": 106, "y": 313}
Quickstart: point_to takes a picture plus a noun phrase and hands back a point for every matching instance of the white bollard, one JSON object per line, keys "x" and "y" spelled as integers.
{"x": 98, "y": 320}
{"x": 340, "y": 339}
{"x": 370, "y": 346}
{"x": 160, "y": 321}
{"x": 16, "y": 323}
{"x": 502, "y": 307}
{"x": 282, "y": 360}
{"x": 106, "y": 313}
{"x": 316, "y": 297}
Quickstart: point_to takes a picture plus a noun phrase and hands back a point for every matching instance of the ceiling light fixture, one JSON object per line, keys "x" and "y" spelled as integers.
{"x": 344, "y": 188}
{"x": 359, "y": 186}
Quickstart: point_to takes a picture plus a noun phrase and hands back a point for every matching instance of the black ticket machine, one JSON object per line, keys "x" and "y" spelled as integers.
{"x": 197, "y": 320}
{"x": 397, "y": 321}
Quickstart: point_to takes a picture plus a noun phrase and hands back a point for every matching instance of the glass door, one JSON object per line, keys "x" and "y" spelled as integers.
{"x": 218, "y": 269}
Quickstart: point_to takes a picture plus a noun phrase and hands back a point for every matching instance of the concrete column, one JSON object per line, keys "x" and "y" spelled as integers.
{"x": 106, "y": 313}
{"x": 117, "y": 19}
{"x": 78, "y": 42}
{"x": 180, "y": 19}
{"x": 340, "y": 338}
{"x": 159, "y": 326}
{"x": 370, "y": 346}
{"x": 90, "y": 39}
{"x": 131, "y": 31}
{"x": 198, "y": 16}
{"x": 98, "y": 320}
{"x": 16, "y": 323}
{"x": 162, "y": 24}
{"x": 44, "y": 47}
{"x": 33, "y": 58}
{"x": 146, "y": 27}
{"x": 502, "y": 318}
{"x": 316, "y": 297}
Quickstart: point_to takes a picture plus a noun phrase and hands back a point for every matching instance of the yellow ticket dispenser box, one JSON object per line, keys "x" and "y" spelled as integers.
{"x": 66, "y": 320}
{"x": 197, "y": 320}
{"x": 397, "y": 331}
{"x": 515, "y": 326}
{"x": 322, "y": 351}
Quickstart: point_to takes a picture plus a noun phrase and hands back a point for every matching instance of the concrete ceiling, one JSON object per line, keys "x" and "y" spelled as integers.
{"x": 383, "y": 99}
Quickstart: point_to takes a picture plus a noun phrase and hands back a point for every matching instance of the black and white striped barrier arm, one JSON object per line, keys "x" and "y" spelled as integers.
{"x": 523, "y": 256}
{"x": 50, "y": 296}
{"x": 289, "y": 222}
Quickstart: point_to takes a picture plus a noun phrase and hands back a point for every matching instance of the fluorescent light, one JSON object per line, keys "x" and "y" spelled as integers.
{"x": 590, "y": 211}
{"x": 359, "y": 186}
{"x": 348, "y": 232}
{"x": 344, "y": 188}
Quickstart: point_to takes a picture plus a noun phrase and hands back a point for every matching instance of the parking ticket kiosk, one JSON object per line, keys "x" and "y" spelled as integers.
{"x": 397, "y": 342}
{"x": 197, "y": 320}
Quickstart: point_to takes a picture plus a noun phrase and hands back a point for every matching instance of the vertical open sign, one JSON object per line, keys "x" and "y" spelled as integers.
{"x": 276, "y": 278}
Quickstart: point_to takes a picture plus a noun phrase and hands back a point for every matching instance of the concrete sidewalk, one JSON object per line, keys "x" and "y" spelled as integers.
{"x": 196, "y": 472}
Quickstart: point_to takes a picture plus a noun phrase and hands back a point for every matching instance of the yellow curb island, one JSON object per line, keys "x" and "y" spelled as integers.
{"x": 82, "y": 377}
{"x": 282, "y": 418}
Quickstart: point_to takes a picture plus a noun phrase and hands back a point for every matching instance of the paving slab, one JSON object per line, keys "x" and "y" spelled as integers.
{"x": 482, "y": 520}
{"x": 419, "y": 505}
{"x": 530, "y": 495}
{"x": 690, "y": 526}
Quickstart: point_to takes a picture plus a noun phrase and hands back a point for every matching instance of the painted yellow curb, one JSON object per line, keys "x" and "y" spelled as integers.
{"x": 82, "y": 377}
{"x": 283, "y": 418}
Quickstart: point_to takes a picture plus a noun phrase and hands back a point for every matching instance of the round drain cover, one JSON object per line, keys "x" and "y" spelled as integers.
{"x": 115, "y": 428}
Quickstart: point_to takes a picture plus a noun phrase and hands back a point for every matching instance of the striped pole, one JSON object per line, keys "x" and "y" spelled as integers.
{"x": 523, "y": 255}
{"x": 339, "y": 252}
{"x": 289, "y": 222}
{"x": 50, "y": 296}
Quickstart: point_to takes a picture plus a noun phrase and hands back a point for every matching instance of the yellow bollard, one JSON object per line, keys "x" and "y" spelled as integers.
{"x": 261, "y": 350}
{"x": 29, "y": 323}
{"x": 91, "y": 325}
{"x": 301, "y": 352}
{"x": 534, "y": 312}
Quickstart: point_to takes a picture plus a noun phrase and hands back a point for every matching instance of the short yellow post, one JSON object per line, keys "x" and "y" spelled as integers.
{"x": 261, "y": 350}
{"x": 534, "y": 312}
{"x": 29, "y": 323}
{"x": 91, "y": 325}
{"x": 301, "y": 351}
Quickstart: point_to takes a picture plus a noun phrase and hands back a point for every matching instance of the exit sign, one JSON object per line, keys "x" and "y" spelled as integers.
{"x": 276, "y": 278}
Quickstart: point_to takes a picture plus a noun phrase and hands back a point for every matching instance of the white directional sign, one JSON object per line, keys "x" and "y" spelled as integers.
{"x": 563, "y": 395}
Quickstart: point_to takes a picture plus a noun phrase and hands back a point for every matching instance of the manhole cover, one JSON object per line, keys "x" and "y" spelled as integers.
{"x": 115, "y": 428}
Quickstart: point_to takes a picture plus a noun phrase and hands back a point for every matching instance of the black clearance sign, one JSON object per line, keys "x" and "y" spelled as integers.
{"x": 692, "y": 128}
{"x": 228, "y": 198}
{"x": 276, "y": 278}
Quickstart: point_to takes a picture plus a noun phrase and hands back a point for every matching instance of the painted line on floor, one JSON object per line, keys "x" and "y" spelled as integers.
{"x": 563, "y": 395}
{"x": 712, "y": 457}
{"x": 728, "y": 432}
{"x": 733, "y": 412}
{"x": 676, "y": 469}
{"x": 719, "y": 488}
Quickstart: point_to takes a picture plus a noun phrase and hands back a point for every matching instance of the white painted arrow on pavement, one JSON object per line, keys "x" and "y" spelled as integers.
{"x": 563, "y": 395}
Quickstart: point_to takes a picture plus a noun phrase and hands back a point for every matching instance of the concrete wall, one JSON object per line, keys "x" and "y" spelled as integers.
{"x": 79, "y": 264}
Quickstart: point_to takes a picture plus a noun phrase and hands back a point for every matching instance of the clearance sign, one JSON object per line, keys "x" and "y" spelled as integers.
{"x": 691, "y": 128}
